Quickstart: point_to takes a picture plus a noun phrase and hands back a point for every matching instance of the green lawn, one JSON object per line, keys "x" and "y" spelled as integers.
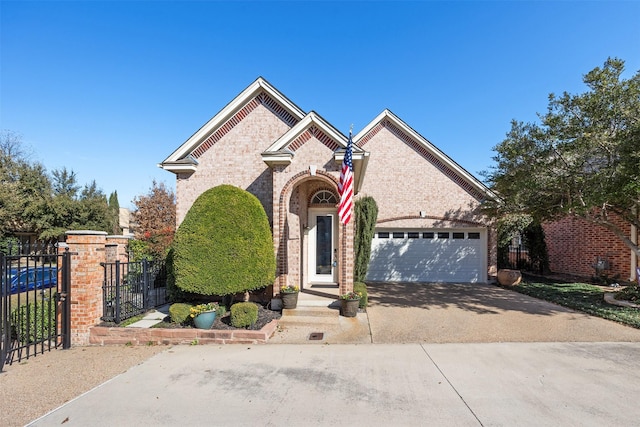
{"x": 578, "y": 296}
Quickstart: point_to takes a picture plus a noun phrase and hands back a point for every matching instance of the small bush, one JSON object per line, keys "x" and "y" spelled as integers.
{"x": 244, "y": 314}
{"x": 361, "y": 288}
{"x": 35, "y": 322}
{"x": 179, "y": 312}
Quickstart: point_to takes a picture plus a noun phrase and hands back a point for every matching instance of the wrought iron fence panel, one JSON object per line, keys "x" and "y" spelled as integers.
{"x": 131, "y": 288}
{"x": 34, "y": 304}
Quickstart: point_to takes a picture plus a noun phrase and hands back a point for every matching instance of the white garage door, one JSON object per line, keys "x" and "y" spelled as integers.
{"x": 442, "y": 255}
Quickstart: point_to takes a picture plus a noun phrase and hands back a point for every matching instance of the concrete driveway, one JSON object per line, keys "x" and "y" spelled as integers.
{"x": 479, "y": 313}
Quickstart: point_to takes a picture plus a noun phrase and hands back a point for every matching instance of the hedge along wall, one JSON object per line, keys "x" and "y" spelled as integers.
{"x": 575, "y": 244}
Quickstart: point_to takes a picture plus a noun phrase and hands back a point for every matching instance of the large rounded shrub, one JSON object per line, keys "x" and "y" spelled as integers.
{"x": 224, "y": 245}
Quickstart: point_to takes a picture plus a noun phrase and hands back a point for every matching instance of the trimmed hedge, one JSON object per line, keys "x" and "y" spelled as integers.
{"x": 362, "y": 288}
{"x": 244, "y": 314}
{"x": 179, "y": 312}
{"x": 224, "y": 245}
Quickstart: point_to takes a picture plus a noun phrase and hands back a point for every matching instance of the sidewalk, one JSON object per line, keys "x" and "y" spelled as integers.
{"x": 510, "y": 384}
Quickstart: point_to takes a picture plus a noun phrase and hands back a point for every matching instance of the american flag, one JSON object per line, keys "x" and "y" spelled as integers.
{"x": 346, "y": 184}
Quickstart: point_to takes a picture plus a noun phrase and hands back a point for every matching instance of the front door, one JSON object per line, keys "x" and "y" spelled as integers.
{"x": 323, "y": 253}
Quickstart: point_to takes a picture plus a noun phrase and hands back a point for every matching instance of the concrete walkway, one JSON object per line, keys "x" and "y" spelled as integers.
{"x": 500, "y": 384}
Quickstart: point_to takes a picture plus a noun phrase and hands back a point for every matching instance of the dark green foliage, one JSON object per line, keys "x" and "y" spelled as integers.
{"x": 361, "y": 288}
{"x": 35, "y": 321}
{"x": 224, "y": 245}
{"x": 578, "y": 159}
{"x": 114, "y": 213}
{"x": 244, "y": 314}
{"x": 179, "y": 312}
{"x": 533, "y": 238}
{"x": 366, "y": 215}
{"x": 630, "y": 293}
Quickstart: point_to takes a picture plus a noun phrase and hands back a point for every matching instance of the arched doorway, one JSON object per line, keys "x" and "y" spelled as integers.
{"x": 322, "y": 242}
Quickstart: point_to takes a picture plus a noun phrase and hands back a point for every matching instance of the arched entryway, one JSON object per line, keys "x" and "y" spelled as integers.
{"x": 313, "y": 247}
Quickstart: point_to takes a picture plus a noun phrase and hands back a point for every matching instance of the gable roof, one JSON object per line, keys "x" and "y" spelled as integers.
{"x": 283, "y": 149}
{"x": 184, "y": 158}
{"x": 444, "y": 163}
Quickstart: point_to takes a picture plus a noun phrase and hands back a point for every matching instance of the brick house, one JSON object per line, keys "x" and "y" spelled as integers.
{"x": 429, "y": 228}
{"x": 577, "y": 247}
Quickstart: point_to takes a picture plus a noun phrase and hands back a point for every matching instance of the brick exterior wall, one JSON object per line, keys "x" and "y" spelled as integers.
{"x": 235, "y": 159}
{"x": 402, "y": 176}
{"x": 404, "y": 183}
{"x": 574, "y": 245}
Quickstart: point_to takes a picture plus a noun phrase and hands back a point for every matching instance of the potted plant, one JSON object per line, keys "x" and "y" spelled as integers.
{"x": 289, "y": 295}
{"x": 349, "y": 303}
{"x": 204, "y": 315}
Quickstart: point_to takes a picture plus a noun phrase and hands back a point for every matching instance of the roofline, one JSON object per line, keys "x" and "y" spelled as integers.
{"x": 260, "y": 84}
{"x": 448, "y": 161}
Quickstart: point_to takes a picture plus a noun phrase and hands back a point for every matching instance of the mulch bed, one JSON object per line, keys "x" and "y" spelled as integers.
{"x": 221, "y": 323}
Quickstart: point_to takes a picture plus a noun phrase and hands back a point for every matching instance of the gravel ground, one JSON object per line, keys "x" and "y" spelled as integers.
{"x": 35, "y": 386}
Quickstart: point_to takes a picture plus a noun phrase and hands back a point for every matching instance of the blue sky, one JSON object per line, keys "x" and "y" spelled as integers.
{"x": 110, "y": 89}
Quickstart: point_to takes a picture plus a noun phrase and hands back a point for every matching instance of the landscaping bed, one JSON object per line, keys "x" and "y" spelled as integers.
{"x": 577, "y": 295}
{"x": 169, "y": 333}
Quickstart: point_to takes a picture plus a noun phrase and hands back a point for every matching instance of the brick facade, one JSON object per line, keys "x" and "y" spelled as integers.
{"x": 574, "y": 246}
{"x": 405, "y": 176}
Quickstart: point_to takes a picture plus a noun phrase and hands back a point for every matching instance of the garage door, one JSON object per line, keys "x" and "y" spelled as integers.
{"x": 441, "y": 255}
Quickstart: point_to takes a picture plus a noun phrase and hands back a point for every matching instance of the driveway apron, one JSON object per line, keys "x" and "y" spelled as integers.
{"x": 479, "y": 313}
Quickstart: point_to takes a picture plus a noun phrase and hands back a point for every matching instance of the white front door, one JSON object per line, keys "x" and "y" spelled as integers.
{"x": 323, "y": 252}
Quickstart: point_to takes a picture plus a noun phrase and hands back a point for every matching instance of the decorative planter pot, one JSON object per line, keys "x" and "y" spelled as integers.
{"x": 349, "y": 307}
{"x": 205, "y": 320}
{"x": 289, "y": 299}
{"x": 509, "y": 277}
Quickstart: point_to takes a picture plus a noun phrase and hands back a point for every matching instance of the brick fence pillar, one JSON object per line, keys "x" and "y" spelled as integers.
{"x": 86, "y": 281}
{"x": 116, "y": 248}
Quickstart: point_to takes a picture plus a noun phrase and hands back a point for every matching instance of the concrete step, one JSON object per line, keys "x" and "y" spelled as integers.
{"x": 309, "y": 315}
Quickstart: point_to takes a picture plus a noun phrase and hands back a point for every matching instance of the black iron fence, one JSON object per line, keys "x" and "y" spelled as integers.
{"x": 131, "y": 288}
{"x": 34, "y": 301}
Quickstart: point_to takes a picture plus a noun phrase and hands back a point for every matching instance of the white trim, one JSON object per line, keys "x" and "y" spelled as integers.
{"x": 229, "y": 111}
{"x": 313, "y": 213}
{"x": 459, "y": 170}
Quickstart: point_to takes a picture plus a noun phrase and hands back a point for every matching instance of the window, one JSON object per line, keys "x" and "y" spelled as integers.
{"x": 324, "y": 197}
{"x": 398, "y": 235}
{"x": 383, "y": 235}
{"x": 474, "y": 236}
{"x": 428, "y": 235}
{"x": 413, "y": 235}
{"x": 457, "y": 235}
{"x": 443, "y": 235}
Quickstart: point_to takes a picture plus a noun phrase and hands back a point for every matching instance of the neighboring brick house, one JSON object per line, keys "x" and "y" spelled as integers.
{"x": 429, "y": 227}
{"x": 577, "y": 247}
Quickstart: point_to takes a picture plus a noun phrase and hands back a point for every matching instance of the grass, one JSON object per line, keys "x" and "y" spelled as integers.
{"x": 578, "y": 296}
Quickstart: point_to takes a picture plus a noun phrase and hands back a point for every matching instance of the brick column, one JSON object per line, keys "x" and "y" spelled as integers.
{"x": 116, "y": 248}
{"x": 86, "y": 281}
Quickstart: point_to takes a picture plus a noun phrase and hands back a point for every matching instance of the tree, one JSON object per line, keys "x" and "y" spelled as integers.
{"x": 24, "y": 187}
{"x": 366, "y": 213}
{"x": 155, "y": 219}
{"x": 114, "y": 213}
{"x": 581, "y": 159}
{"x": 224, "y": 245}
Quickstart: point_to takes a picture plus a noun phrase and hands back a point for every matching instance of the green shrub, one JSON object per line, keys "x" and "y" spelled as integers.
{"x": 244, "y": 314}
{"x": 366, "y": 215}
{"x": 224, "y": 245}
{"x": 362, "y": 289}
{"x": 35, "y": 321}
{"x": 179, "y": 312}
